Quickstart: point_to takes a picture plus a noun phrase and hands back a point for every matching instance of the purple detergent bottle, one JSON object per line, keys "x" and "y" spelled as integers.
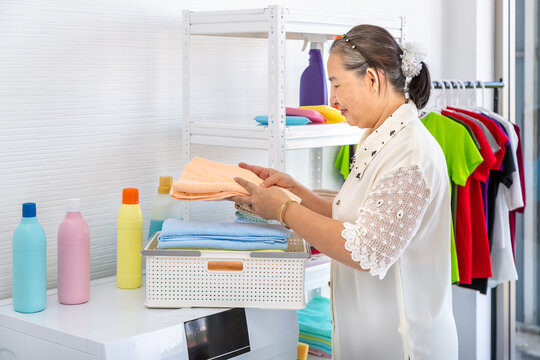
{"x": 313, "y": 89}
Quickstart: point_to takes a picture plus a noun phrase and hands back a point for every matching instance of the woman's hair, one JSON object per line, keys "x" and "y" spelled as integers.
{"x": 373, "y": 46}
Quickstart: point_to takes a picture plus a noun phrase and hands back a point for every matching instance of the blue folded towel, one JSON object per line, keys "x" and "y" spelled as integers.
{"x": 229, "y": 236}
{"x": 289, "y": 120}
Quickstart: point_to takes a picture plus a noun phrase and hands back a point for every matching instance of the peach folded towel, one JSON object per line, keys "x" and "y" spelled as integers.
{"x": 204, "y": 179}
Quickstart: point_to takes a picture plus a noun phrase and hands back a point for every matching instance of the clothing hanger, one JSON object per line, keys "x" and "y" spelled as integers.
{"x": 483, "y": 93}
{"x": 457, "y": 87}
{"x": 442, "y": 95}
{"x": 431, "y": 106}
{"x": 448, "y": 96}
{"x": 470, "y": 101}
{"x": 461, "y": 89}
{"x": 473, "y": 106}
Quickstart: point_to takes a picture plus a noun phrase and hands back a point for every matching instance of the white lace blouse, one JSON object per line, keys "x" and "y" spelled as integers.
{"x": 395, "y": 206}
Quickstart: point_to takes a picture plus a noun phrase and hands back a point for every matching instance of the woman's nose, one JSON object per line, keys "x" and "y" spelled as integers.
{"x": 333, "y": 98}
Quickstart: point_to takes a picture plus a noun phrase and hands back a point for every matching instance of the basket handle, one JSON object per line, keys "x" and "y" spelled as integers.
{"x": 225, "y": 265}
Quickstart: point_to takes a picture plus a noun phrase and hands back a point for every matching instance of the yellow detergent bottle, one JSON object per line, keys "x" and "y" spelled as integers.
{"x": 331, "y": 114}
{"x": 129, "y": 241}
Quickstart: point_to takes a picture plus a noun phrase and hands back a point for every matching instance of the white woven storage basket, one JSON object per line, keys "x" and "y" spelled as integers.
{"x": 258, "y": 279}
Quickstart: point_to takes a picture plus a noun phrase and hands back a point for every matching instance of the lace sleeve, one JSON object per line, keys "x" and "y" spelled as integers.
{"x": 388, "y": 220}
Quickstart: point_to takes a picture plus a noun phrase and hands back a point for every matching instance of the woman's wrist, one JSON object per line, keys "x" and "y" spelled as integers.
{"x": 283, "y": 210}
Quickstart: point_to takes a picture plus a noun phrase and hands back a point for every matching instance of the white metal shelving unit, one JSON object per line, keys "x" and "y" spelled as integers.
{"x": 277, "y": 24}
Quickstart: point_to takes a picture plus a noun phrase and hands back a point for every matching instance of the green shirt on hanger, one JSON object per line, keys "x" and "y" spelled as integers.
{"x": 462, "y": 158}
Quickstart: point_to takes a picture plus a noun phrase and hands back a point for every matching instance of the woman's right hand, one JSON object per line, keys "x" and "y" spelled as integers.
{"x": 271, "y": 176}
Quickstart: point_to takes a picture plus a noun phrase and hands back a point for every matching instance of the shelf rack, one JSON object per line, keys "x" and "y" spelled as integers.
{"x": 276, "y": 23}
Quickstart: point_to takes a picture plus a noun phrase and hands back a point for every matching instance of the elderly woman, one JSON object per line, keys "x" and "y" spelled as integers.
{"x": 388, "y": 229}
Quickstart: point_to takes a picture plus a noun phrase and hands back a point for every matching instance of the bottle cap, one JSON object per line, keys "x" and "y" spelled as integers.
{"x": 130, "y": 196}
{"x": 73, "y": 205}
{"x": 165, "y": 183}
{"x": 29, "y": 210}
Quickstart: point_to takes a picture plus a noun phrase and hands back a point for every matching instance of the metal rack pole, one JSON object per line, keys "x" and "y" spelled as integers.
{"x": 468, "y": 84}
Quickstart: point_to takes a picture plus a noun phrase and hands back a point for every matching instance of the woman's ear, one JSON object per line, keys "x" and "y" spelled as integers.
{"x": 373, "y": 80}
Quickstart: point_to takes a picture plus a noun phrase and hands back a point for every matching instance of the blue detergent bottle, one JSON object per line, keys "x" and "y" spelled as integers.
{"x": 313, "y": 90}
{"x": 29, "y": 263}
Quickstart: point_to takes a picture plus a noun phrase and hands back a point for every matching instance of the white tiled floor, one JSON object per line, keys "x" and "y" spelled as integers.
{"x": 527, "y": 342}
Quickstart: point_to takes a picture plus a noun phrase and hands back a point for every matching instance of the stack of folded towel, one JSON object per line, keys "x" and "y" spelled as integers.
{"x": 178, "y": 234}
{"x": 315, "y": 325}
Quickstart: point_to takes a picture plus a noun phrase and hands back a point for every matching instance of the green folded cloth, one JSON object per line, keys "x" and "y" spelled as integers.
{"x": 316, "y": 319}
{"x": 316, "y": 339}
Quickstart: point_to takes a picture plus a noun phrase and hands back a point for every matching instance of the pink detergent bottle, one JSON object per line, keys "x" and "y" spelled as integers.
{"x": 73, "y": 257}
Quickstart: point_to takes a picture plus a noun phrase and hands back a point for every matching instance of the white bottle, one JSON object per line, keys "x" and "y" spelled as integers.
{"x": 163, "y": 206}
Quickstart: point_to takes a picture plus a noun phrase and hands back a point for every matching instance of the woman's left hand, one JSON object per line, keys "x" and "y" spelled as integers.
{"x": 265, "y": 202}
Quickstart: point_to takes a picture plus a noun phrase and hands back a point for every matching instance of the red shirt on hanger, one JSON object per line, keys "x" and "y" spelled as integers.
{"x": 499, "y": 135}
{"x": 474, "y": 256}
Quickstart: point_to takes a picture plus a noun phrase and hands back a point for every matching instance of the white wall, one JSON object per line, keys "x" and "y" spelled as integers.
{"x": 90, "y": 102}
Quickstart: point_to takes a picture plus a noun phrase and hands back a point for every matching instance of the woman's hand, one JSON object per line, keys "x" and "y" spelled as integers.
{"x": 271, "y": 177}
{"x": 265, "y": 202}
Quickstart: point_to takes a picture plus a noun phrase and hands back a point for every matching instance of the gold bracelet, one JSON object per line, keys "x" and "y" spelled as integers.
{"x": 282, "y": 211}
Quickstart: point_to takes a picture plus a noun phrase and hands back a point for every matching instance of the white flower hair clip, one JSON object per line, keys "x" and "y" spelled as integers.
{"x": 411, "y": 62}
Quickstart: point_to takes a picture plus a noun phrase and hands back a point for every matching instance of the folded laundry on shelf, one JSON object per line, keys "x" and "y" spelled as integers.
{"x": 244, "y": 217}
{"x": 312, "y": 115}
{"x": 228, "y": 236}
{"x": 315, "y": 324}
{"x": 289, "y": 120}
{"x": 316, "y": 343}
{"x": 203, "y": 179}
{"x": 319, "y": 353}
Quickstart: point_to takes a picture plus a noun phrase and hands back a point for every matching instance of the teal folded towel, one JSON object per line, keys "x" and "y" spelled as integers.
{"x": 244, "y": 217}
{"x": 289, "y": 120}
{"x": 228, "y": 236}
{"x": 316, "y": 319}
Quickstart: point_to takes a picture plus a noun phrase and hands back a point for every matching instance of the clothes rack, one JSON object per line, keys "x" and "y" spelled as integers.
{"x": 497, "y": 323}
{"x": 457, "y": 84}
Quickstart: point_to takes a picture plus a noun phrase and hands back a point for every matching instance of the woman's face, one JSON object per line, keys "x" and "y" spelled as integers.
{"x": 356, "y": 96}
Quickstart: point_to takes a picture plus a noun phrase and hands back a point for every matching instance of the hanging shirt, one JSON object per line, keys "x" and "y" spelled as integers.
{"x": 461, "y": 154}
{"x": 503, "y": 266}
{"x": 499, "y": 154}
{"x": 479, "y": 260}
{"x": 512, "y": 217}
{"x": 509, "y": 198}
{"x": 496, "y": 177}
{"x": 462, "y": 223}
{"x": 513, "y": 193}
{"x": 496, "y": 132}
{"x": 395, "y": 205}
{"x": 494, "y": 146}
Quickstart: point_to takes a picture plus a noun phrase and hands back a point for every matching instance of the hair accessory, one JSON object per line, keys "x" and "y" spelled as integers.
{"x": 353, "y": 46}
{"x": 411, "y": 63}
